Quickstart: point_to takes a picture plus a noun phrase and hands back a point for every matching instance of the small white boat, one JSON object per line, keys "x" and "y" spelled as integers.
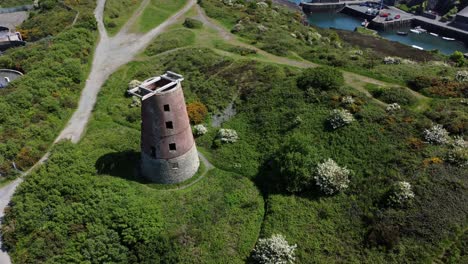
{"x": 417, "y": 47}
{"x": 449, "y": 39}
{"x": 415, "y": 31}
{"x": 420, "y": 29}
{"x": 434, "y": 34}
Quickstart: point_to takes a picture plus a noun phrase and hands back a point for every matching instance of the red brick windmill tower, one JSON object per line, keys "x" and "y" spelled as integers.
{"x": 168, "y": 150}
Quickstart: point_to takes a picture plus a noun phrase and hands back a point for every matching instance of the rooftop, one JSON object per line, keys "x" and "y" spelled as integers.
{"x": 157, "y": 85}
{"x": 7, "y": 76}
{"x": 463, "y": 12}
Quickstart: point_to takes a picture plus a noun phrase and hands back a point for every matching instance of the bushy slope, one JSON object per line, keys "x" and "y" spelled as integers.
{"x": 35, "y": 107}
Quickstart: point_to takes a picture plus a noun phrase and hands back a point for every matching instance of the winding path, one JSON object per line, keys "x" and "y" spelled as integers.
{"x": 111, "y": 53}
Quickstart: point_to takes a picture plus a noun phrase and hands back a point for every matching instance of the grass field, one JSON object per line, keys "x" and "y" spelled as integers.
{"x": 157, "y": 12}
{"x": 117, "y": 13}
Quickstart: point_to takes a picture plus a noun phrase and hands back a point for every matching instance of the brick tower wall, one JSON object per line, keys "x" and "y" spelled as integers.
{"x": 168, "y": 151}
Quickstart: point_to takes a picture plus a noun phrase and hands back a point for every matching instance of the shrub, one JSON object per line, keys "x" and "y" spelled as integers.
{"x": 458, "y": 58}
{"x": 339, "y": 118}
{"x": 395, "y": 95}
{"x": 348, "y": 100}
{"x": 331, "y": 178}
{"x": 436, "y": 135}
{"x": 325, "y": 78}
{"x": 402, "y": 194}
{"x": 461, "y": 76}
{"x": 458, "y": 154}
{"x": 227, "y": 135}
{"x": 192, "y": 23}
{"x": 393, "y": 107}
{"x": 134, "y": 83}
{"x": 200, "y": 130}
{"x": 197, "y": 112}
{"x": 420, "y": 82}
{"x": 274, "y": 250}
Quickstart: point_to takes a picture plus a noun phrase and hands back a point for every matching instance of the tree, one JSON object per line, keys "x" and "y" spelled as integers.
{"x": 295, "y": 162}
{"x": 458, "y": 58}
{"x": 324, "y": 78}
{"x": 197, "y": 112}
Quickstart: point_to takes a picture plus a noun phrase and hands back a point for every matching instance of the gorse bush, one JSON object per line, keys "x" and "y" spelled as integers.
{"x": 331, "y": 178}
{"x": 192, "y": 23}
{"x": 324, "y": 78}
{"x": 197, "y": 112}
{"x": 274, "y": 250}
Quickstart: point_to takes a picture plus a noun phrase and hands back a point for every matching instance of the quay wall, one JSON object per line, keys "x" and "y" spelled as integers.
{"x": 442, "y": 30}
{"x": 332, "y": 7}
{"x": 391, "y": 25}
{"x": 355, "y": 13}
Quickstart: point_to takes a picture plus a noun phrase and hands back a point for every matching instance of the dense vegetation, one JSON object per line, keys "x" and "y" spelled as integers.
{"x": 87, "y": 204}
{"x": 35, "y": 107}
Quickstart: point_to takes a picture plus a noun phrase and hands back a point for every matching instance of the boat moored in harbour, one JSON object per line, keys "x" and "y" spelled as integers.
{"x": 417, "y": 47}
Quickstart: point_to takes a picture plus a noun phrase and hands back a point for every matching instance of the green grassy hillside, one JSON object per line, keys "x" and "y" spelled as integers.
{"x": 88, "y": 204}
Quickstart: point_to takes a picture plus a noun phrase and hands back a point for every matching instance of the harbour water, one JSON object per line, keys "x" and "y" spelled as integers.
{"x": 424, "y": 40}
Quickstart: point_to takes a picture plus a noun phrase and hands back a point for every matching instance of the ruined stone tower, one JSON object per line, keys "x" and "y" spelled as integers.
{"x": 168, "y": 151}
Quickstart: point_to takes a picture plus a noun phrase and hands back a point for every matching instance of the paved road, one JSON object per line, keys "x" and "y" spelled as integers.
{"x": 111, "y": 53}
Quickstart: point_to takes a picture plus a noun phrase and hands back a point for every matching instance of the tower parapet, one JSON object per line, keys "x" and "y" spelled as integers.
{"x": 168, "y": 150}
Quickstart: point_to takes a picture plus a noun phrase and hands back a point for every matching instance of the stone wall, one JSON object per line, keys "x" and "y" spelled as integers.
{"x": 170, "y": 171}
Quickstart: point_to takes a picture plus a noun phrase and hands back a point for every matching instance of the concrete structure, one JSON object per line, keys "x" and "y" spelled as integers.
{"x": 329, "y": 5}
{"x": 7, "y": 76}
{"x": 10, "y": 39}
{"x": 461, "y": 19}
{"x": 168, "y": 151}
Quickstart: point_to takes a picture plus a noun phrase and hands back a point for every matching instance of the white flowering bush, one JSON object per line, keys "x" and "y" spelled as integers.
{"x": 459, "y": 142}
{"x": 227, "y": 135}
{"x": 136, "y": 102}
{"x": 331, "y": 178}
{"x": 462, "y": 76}
{"x": 262, "y": 5}
{"x": 458, "y": 154}
{"x": 340, "y": 117}
{"x": 274, "y": 250}
{"x": 436, "y": 135}
{"x": 392, "y": 60}
{"x": 348, "y": 100}
{"x": 199, "y": 130}
{"x": 393, "y": 107}
{"x": 134, "y": 83}
{"x": 402, "y": 193}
